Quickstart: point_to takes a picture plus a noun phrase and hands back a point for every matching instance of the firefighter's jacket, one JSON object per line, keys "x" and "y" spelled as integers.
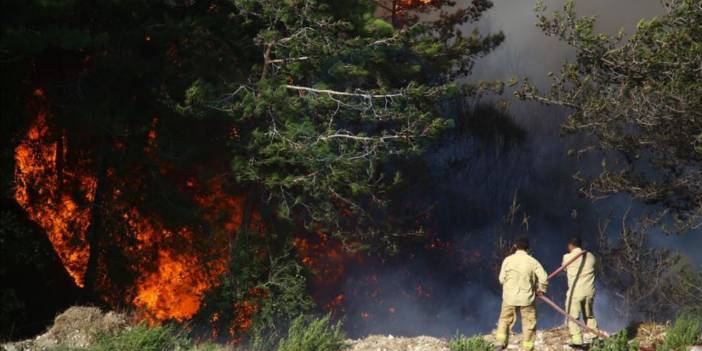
{"x": 521, "y": 275}
{"x": 581, "y": 274}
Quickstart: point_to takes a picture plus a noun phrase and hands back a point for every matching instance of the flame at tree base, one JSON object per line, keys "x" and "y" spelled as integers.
{"x": 175, "y": 290}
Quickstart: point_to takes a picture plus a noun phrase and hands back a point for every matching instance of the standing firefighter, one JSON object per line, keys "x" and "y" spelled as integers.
{"x": 522, "y": 277}
{"x": 581, "y": 289}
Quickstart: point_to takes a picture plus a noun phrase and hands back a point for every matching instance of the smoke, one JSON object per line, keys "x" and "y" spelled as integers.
{"x": 473, "y": 184}
{"x": 527, "y": 52}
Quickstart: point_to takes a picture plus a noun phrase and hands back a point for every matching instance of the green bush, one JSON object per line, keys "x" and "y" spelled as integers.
{"x": 616, "y": 342}
{"x": 317, "y": 334}
{"x": 142, "y": 338}
{"x": 461, "y": 342}
{"x": 685, "y": 332}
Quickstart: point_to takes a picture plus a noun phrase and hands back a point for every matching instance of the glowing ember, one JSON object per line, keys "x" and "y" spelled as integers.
{"x": 245, "y": 311}
{"x": 62, "y": 210}
{"x": 325, "y": 257}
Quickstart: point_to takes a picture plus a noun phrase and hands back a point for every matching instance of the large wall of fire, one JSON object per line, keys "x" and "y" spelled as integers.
{"x": 59, "y": 196}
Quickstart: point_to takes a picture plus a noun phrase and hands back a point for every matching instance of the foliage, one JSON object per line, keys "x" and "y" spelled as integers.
{"x": 641, "y": 97}
{"x": 269, "y": 291}
{"x": 405, "y": 13}
{"x": 686, "y": 331}
{"x": 685, "y": 289}
{"x": 617, "y": 342}
{"x": 141, "y": 337}
{"x": 651, "y": 283}
{"x": 639, "y": 273}
{"x": 460, "y": 342}
{"x": 316, "y": 334}
{"x": 336, "y": 98}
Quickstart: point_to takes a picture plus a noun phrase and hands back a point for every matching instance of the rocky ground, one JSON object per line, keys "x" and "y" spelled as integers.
{"x": 75, "y": 326}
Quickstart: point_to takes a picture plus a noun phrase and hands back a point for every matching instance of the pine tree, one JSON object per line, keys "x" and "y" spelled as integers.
{"x": 640, "y": 97}
{"x": 336, "y": 95}
{"x": 303, "y": 109}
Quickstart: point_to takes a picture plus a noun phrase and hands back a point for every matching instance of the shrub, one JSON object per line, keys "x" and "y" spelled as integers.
{"x": 616, "y": 342}
{"x": 685, "y": 332}
{"x": 461, "y": 342}
{"x": 142, "y": 338}
{"x": 317, "y": 334}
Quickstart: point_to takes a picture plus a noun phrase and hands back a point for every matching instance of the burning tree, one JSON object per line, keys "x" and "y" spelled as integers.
{"x": 176, "y": 150}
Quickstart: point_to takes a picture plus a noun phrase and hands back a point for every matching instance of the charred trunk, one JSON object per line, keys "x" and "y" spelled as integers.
{"x": 96, "y": 230}
{"x": 93, "y": 237}
{"x": 241, "y": 236}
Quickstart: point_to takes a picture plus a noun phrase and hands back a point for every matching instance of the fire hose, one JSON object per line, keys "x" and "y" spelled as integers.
{"x": 558, "y": 309}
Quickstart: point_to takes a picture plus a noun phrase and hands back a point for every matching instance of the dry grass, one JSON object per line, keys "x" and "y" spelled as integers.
{"x": 390, "y": 343}
{"x": 76, "y": 328}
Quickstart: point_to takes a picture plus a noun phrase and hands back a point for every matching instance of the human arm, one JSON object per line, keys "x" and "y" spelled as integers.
{"x": 541, "y": 277}
{"x": 503, "y": 273}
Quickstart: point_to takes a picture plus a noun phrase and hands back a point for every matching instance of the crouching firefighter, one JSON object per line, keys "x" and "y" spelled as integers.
{"x": 522, "y": 277}
{"x": 581, "y": 289}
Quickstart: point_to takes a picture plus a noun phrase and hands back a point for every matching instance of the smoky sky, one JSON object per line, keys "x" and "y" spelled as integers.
{"x": 474, "y": 180}
{"x": 527, "y": 52}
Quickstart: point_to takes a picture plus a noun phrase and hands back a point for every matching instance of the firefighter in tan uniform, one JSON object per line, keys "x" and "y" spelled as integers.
{"x": 522, "y": 277}
{"x": 581, "y": 289}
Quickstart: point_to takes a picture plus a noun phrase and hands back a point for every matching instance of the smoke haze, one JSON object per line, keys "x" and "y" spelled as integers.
{"x": 474, "y": 181}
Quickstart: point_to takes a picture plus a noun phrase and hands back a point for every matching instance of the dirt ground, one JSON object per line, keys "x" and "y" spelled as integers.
{"x": 548, "y": 340}
{"x": 75, "y": 327}
{"x": 392, "y": 343}
{"x": 556, "y": 339}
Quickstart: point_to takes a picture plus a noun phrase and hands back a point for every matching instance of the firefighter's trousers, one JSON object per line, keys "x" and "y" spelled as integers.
{"x": 508, "y": 316}
{"x": 575, "y": 307}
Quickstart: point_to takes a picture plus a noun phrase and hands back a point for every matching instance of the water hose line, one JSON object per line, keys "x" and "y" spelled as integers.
{"x": 558, "y": 309}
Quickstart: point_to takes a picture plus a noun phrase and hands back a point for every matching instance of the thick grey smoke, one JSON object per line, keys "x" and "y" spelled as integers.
{"x": 527, "y": 52}
{"x": 475, "y": 179}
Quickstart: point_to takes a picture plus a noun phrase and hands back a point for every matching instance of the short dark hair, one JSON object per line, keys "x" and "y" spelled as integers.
{"x": 522, "y": 242}
{"x": 575, "y": 241}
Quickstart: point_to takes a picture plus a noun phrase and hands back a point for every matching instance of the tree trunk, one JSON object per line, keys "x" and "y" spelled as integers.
{"x": 96, "y": 228}
{"x": 93, "y": 237}
{"x": 236, "y": 237}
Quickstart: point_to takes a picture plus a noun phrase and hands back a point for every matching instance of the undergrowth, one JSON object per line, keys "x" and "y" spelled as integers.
{"x": 617, "y": 342}
{"x": 686, "y": 331}
{"x": 461, "y": 342}
{"x": 316, "y": 334}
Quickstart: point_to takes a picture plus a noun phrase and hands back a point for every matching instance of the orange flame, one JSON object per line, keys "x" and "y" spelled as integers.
{"x": 176, "y": 289}
{"x": 62, "y": 210}
{"x": 172, "y": 276}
